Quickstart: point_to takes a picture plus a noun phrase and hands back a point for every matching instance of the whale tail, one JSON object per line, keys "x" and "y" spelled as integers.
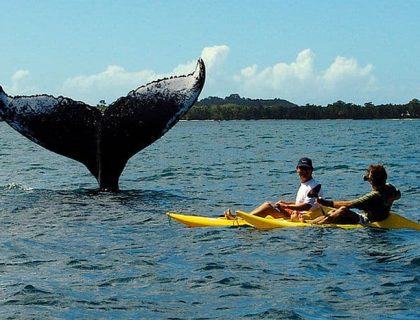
{"x": 104, "y": 141}
{"x": 4, "y": 99}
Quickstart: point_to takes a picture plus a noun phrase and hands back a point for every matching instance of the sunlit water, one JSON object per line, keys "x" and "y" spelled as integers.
{"x": 68, "y": 251}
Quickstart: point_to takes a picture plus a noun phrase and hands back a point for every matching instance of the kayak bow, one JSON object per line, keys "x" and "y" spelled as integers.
{"x": 201, "y": 221}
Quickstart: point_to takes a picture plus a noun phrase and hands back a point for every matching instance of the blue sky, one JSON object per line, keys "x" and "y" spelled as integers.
{"x": 303, "y": 51}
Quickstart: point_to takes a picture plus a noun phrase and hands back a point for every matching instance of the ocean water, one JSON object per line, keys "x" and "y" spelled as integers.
{"x": 68, "y": 251}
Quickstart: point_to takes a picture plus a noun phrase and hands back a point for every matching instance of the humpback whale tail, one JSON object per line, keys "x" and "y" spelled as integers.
{"x": 104, "y": 140}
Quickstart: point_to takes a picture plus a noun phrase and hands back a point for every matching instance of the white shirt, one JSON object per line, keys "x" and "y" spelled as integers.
{"x": 302, "y": 194}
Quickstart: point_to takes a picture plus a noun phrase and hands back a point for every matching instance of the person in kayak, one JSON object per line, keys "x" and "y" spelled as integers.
{"x": 293, "y": 210}
{"x": 375, "y": 204}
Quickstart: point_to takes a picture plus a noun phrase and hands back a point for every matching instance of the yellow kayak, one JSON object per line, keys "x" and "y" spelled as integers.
{"x": 394, "y": 221}
{"x": 201, "y": 221}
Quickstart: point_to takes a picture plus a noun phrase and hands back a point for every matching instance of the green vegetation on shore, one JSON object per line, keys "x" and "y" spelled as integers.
{"x": 235, "y": 107}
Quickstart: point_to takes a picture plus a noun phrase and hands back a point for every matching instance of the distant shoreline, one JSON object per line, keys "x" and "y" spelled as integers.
{"x": 235, "y": 107}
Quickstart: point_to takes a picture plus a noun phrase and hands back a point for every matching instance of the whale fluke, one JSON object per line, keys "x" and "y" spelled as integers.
{"x": 104, "y": 140}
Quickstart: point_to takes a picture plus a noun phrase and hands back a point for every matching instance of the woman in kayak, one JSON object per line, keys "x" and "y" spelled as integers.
{"x": 375, "y": 204}
{"x": 304, "y": 200}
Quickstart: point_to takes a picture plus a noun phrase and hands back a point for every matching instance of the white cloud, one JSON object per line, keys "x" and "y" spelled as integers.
{"x": 301, "y": 69}
{"x": 345, "y": 80}
{"x": 20, "y": 83}
{"x": 19, "y": 75}
{"x": 281, "y": 80}
{"x": 115, "y": 81}
{"x": 215, "y": 56}
{"x": 343, "y": 69}
{"x": 107, "y": 85}
{"x": 299, "y": 81}
{"x": 249, "y": 72}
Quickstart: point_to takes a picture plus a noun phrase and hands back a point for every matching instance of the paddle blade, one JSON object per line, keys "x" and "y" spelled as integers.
{"x": 313, "y": 193}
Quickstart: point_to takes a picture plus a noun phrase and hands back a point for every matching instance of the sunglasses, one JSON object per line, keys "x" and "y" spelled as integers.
{"x": 304, "y": 168}
{"x": 367, "y": 177}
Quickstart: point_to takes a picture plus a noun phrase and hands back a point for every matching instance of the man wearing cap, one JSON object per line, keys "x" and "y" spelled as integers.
{"x": 292, "y": 210}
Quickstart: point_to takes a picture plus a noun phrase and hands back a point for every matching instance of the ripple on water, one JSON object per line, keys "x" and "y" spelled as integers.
{"x": 69, "y": 251}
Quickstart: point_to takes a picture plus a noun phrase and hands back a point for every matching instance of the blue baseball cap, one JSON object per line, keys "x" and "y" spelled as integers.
{"x": 305, "y": 162}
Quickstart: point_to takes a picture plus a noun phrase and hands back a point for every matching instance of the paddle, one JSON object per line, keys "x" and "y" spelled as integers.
{"x": 314, "y": 193}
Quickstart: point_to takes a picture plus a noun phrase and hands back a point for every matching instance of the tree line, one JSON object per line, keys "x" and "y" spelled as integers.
{"x": 235, "y": 107}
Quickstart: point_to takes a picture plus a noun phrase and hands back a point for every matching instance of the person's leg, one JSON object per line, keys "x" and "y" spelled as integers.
{"x": 321, "y": 219}
{"x": 342, "y": 215}
{"x": 262, "y": 211}
{"x": 268, "y": 208}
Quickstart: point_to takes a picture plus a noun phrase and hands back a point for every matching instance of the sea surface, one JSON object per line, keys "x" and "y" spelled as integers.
{"x": 68, "y": 251}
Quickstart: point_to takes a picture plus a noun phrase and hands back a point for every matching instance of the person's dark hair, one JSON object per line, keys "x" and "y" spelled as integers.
{"x": 378, "y": 174}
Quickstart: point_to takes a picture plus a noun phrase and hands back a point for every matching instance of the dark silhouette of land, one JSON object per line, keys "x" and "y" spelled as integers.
{"x": 235, "y": 107}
